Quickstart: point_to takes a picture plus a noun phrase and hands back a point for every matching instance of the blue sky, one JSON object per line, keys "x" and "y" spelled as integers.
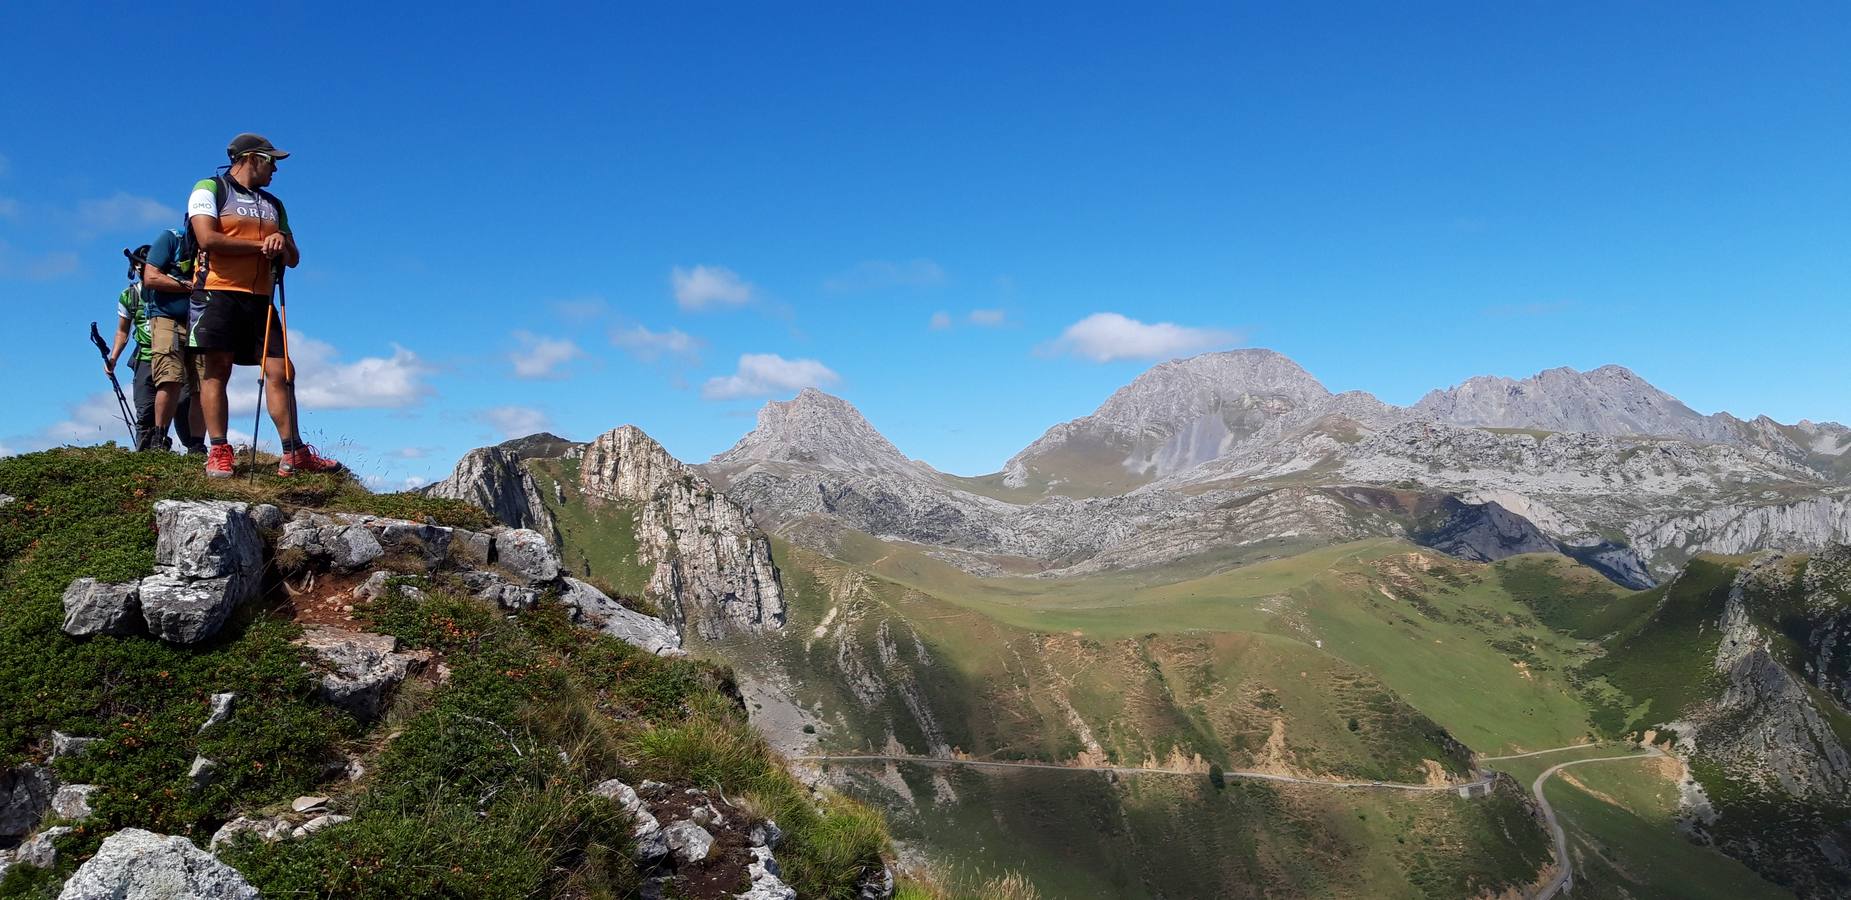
{"x": 575, "y": 218}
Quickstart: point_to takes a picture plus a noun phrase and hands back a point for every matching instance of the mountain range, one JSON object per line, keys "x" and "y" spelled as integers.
{"x": 1233, "y": 449}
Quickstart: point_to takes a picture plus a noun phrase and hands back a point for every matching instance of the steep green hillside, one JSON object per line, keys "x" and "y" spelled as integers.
{"x": 1082, "y": 835}
{"x": 474, "y": 784}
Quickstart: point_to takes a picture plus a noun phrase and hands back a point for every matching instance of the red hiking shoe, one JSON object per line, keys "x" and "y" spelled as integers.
{"x": 220, "y": 461}
{"x": 305, "y": 459}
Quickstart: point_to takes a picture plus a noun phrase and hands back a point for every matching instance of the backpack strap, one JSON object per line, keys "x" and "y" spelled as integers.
{"x": 200, "y": 260}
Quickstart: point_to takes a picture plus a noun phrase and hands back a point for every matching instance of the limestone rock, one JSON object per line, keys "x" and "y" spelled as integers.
{"x": 267, "y": 830}
{"x": 472, "y": 548}
{"x": 427, "y": 543}
{"x": 25, "y": 795}
{"x": 690, "y": 842}
{"x": 651, "y": 841}
{"x": 592, "y": 607}
{"x": 202, "y": 773}
{"x": 527, "y": 554}
{"x": 495, "y": 589}
{"x": 72, "y": 802}
{"x": 494, "y": 479}
{"x": 187, "y": 611}
{"x": 93, "y": 607}
{"x": 712, "y": 566}
{"x": 200, "y": 539}
{"x": 133, "y": 864}
{"x": 360, "y": 670}
{"x": 267, "y": 516}
{"x": 38, "y": 850}
{"x": 766, "y": 881}
{"x": 877, "y": 886}
{"x": 65, "y": 746}
{"x": 344, "y": 548}
{"x": 218, "y": 711}
{"x": 766, "y": 834}
{"x": 318, "y": 823}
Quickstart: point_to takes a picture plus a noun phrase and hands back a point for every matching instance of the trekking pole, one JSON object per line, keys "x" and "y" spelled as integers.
{"x": 263, "y": 372}
{"x": 289, "y": 365}
{"x": 122, "y": 403}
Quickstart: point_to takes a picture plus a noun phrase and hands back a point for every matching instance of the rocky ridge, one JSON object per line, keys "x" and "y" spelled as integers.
{"x": 1176, "y": 457}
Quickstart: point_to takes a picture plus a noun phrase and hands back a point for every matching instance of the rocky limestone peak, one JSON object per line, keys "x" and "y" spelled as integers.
{"x": 820, "y": 430}
{"x": 1179, "y": 391}
{"x": 1609, "y": 400}
{"x": 712, "y": 567}
{"x": 1182, "y": 413}
{"x": 494, "y": 479}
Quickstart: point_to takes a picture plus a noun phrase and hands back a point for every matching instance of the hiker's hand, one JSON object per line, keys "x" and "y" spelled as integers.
{"x": 274, "y": 244}
{"x": 109, "y": 363}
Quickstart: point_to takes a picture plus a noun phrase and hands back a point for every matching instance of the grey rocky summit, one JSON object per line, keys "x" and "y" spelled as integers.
{"x": 817, "y": 429}
{"x": 494, "y": 479}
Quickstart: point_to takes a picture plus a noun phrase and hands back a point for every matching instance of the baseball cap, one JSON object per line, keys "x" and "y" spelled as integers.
{"x": 252, "y": 143}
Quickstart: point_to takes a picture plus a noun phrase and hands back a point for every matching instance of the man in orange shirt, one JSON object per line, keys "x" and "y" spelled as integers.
{"x": 242, "y": 232}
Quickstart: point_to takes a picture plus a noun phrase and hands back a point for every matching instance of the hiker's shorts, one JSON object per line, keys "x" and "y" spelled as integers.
{"x": 167, "y": 361}
{"x": 234, "y": 321}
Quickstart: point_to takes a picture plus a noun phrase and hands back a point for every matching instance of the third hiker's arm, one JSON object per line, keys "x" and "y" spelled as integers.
{"x": 158, "y": 280}
{"x": 122, "y": 338}
{"x": 212, "y": 240}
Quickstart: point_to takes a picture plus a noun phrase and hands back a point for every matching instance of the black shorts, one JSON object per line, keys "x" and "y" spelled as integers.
{"x": 234, "y": 321}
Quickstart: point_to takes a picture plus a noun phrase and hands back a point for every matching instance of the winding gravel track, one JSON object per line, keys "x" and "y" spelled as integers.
{"x": 1483, "y": 780}
{"x": 1564, "y": 876}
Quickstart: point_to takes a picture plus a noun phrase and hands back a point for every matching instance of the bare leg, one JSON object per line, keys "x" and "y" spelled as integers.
{"x": 216, "y": 372}
{"x": 282, "y": 399}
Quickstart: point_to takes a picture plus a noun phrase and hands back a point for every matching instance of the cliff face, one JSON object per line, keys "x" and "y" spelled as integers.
{"x": 494, "y": 479}
{"x": 1772, "y": 774}
{"x": 712, "y": 566}
{"x": 1804, "y": 525}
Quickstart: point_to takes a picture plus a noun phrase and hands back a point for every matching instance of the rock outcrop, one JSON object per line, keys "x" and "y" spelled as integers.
{"x": 494, "y": 479}
{"x": 712, "y": 567}
{"x": 92, "y": 607}
{"x": 360, "y": 670}
{"x": 134, "y": 864}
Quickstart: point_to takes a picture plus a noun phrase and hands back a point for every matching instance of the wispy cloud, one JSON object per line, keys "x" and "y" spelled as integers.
{"x": 92, "y": 420}
{"x": 941, "y": 320}
{"x": 124, "y": 211}
{"x": 581, "y": 309}
{"x": 763, "y": 374}
{"x": 15, "y": 265}
{"x": 987, "y": 318}
{"x": 9, "y": 208}
{"x": 1106, "y": 336}
{"x": 513, "y": 421}
{"x": 650, "y": 346}
{"x": 542, "y": 357}
{"x": 705, "y": 287}
{"x": 880, "y": 274}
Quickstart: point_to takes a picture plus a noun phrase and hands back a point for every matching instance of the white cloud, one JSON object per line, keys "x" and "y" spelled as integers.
{"x": 380, "y": 482}
{"x": 707, "y": 286}
{"x": 988, "y": 318}
{"x": 35, "y": 267}
{"x": 650, "y": 346}
{"x": 513, "y": 421}
{"x": 9, "y": 207}
{"x": 941, "y": 320}
{"x": 1103, "y": 337}
{"x": 93, "y": 420}
{"x": 412, "y": 452}
{"x": 880, "y": 274}
{"x": 324, "y": 381}
{"x": 539, "y": 357}
{"x": 762, "y": 374}
{"x": 124, "y": 211}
